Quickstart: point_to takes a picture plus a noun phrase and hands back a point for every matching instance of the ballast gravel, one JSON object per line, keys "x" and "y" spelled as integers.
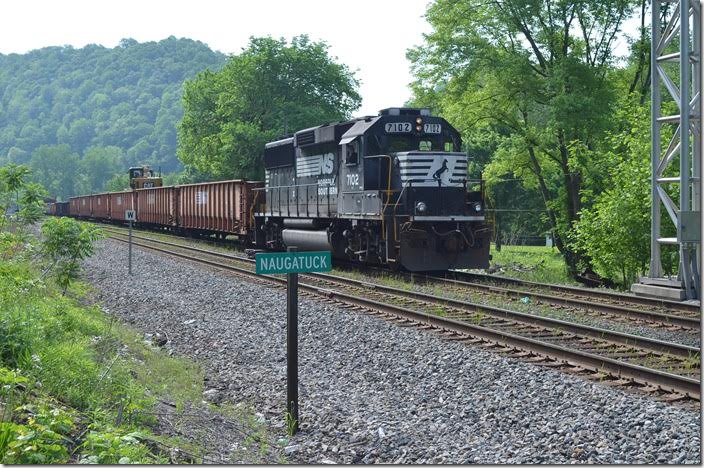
{"x": 373, "y": 392}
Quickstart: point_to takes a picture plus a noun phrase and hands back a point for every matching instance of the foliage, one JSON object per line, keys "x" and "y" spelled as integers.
{"x": 114, "y": 447}
{"x": 75, "y": 385}
{"x": 65, "y": 243}
{"x": 98, "y": 165}
{"x": 118, "y": 183}
{"x": 531, "y": 79}
{"x": 17, "y": 194}
{"x": 127, "y": 97}
{"x": 57, "y": 168}
{"x": 269, "y": 88}
{"x": 531, "y": 263}
{"x": 42, "y": 440}
{"x": 615, "y": 232}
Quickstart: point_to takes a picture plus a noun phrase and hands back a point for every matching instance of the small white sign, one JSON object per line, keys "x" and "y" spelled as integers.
{"x": 130, "y": 215}
{"x": 201, "y": 198}
{"x": 432, "y": 128}
{"x": 398, "y": 127}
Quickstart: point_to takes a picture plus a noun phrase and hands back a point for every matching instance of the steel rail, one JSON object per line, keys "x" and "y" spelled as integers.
{"x": 594, "y": 362}
{"x": 611, "y": 296}
{"x": 619, "y": 337}
{"x": 687, "y": 322}
{"x": 670, "y": 319}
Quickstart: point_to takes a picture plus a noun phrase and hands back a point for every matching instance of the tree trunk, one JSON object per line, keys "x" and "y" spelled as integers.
{"x": 546, "y": 198}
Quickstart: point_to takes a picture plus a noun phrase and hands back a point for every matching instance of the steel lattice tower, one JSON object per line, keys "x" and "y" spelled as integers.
{"x": 677, "y": 74}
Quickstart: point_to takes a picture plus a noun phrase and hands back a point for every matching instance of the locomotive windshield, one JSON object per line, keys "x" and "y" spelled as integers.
{"x": 399, "y": 144}
{"x": 384, "y": 144}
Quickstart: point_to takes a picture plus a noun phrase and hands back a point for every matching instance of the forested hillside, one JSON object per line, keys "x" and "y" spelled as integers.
{"x": 95, "y": 111}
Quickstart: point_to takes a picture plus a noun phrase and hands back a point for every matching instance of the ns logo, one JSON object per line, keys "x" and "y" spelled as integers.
{"x": 327, "y": 163}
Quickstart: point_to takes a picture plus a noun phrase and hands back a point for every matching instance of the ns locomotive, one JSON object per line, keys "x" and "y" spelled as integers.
{"x": 390, "y": 190}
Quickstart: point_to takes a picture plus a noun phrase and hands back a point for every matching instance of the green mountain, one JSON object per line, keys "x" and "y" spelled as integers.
{"x": 127, "y": 97}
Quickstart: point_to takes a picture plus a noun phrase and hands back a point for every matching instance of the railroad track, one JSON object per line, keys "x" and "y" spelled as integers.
{"x": 674, "y": 320}
{"x": 686, "y": 309}
{"x": 618, "y": 357}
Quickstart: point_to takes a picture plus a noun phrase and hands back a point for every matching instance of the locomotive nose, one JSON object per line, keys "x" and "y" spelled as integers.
{"x": 452, "y": 244}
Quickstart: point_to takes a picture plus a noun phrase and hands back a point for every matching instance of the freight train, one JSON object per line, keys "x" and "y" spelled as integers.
{"x": 390, "y": 190}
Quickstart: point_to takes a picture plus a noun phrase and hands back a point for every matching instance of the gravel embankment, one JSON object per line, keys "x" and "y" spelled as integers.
{"x": 374, "y": 392}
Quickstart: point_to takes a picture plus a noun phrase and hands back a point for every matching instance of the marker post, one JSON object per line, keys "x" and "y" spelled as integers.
{"x": 130, "y": 216}
{"x": 292, "y": 262}
{"x": 292, "y": 346}
{"x": 129, "y": 257}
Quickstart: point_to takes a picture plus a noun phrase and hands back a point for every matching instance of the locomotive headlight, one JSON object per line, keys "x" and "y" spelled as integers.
{"x": 419, "y": 124}
{"x": 419, "y": 121}
{"x": 477, "y": 207}
{"x": 421, "y": 207}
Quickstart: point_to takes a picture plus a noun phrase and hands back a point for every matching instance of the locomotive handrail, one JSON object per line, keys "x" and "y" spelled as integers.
{"x": 296, "y": 186}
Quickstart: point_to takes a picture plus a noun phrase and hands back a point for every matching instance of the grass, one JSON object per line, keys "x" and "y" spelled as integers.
{"x": 76, "y": 384}
{"x": 546, "y": 263}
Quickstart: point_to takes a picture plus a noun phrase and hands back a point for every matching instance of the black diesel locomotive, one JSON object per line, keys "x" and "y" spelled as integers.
{"x": 389, "y": 190}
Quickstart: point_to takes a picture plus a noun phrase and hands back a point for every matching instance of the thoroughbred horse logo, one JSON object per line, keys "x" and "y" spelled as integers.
{"x": 439, "y": 172}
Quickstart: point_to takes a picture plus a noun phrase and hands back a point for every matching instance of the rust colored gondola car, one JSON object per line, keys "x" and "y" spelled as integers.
{"x": 157, "y": 206}
{"x": 100, "y": 206}
{"x": 80, "y": 206}
{"x": 119, "y": 203}
{"x": 58, "y": 209}
{"x": 221, "y": 208}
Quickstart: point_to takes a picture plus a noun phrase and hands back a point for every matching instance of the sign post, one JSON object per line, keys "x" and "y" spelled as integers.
{"x": 292, "y": 262}
{"x": 130, "y": 216}
{"x": 292, "y": 346}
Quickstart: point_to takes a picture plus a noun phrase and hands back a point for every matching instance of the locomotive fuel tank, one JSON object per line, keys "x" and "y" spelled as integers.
{"x": 307, "y": 240}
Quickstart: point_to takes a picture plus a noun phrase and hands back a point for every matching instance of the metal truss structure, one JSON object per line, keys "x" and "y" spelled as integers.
{"x": 670, "y": 64}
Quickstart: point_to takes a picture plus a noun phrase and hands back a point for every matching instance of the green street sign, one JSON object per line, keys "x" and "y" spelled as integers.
{"x": 292, "y": 262}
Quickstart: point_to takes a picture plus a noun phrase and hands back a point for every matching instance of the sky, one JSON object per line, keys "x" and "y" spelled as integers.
{"x": 370, "y": 36}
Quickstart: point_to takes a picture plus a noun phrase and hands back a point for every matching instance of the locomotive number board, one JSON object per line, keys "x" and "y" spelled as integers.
{"x": 398, "y": 127}
{"x": 407, "y": 127}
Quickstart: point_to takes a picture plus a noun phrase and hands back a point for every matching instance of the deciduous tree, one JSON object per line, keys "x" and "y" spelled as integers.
{"x": 535, "y": 73}
{"x": 269, "y": 88}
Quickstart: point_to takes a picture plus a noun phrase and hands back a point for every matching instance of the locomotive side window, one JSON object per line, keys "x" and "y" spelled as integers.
{"x": 352, "y": 153}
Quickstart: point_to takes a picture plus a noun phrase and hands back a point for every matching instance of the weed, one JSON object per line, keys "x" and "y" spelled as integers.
{"x": 478, "y": 317}
{"x": 107, "y": 446}
{"x": 291, "y": 423}
{"x": 692, "y": 361}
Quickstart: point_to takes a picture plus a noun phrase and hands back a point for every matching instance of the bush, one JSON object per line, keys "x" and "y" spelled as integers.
{"x": 615, "y": 231}
{"x": 66, "y": 242}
